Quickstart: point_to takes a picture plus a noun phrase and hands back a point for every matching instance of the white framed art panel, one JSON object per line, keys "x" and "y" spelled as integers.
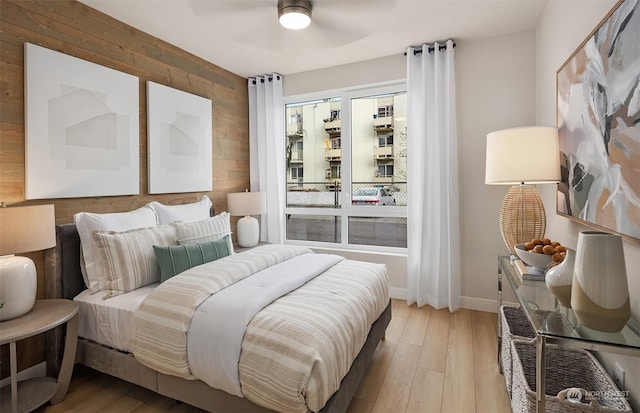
{"x": 179, "y": 128}
{"x": 81, "y": 127}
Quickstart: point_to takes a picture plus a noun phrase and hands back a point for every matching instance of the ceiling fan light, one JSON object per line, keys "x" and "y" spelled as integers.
{"x": 294, "y": 14}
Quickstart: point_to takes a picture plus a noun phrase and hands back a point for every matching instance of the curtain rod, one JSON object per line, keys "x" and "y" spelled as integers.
{"x": 262, "y": 79}
{"x": 430, "y": 49}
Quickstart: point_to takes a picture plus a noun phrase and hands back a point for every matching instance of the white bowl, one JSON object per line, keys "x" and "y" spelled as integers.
{"x": 533, "y": 259}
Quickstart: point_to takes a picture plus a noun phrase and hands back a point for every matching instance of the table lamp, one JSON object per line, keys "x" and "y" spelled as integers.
{"x": 246, "y": 204}
{"x": 521, "y": 157}
{"x": 22, "y": 229}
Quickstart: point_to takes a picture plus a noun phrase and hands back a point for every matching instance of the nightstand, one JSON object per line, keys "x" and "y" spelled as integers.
{"x": 238, "y": 248}
{"x": 45, "y": 315}
{"x": 549, "y": 321}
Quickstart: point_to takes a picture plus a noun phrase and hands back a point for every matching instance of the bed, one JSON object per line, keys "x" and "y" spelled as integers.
{"x": 64, "y": 279}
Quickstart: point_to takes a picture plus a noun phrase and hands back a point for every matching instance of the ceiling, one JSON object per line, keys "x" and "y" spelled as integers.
{"x": 244, "y": 36}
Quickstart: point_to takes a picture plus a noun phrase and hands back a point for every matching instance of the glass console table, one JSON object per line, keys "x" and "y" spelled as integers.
{"x": 540, "y": 306}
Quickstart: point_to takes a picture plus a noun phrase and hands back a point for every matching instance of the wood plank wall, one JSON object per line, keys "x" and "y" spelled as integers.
{"x": 73, "y": 28}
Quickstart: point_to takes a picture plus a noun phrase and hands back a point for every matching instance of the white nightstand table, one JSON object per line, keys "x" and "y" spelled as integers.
{"x": 27, "y": 395}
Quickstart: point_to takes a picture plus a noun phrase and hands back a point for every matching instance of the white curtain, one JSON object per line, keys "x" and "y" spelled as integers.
{"x": 433, "y": 240}
{"x": 267, "y": 151}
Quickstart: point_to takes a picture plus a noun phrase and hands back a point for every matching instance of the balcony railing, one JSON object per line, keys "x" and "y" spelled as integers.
{"x": 383, "y": 123}
{"x": 294, "y": 129}
{"x": 383, "y": 152}
{"x": 332, "y": 126}
{"x": 296, "y": 156}
{"x": 332, "y": 154}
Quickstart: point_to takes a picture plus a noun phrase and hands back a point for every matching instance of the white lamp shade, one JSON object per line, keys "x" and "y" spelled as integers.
{"x": 247, "y": 203}
{"x": 528, "y": 155}
{"x": 26, "y": 229}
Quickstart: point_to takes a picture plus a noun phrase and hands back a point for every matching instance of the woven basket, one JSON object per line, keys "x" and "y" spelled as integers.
{"x": 514, "y": 326}
{"x": 567, "y": 371}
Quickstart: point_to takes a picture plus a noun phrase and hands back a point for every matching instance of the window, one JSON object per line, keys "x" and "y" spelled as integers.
{"x": 384, "y": 141}
{"x": 385, "y": 170}
{"x": 385, "y": 111}
{"x": 296, "y": 172}
{"x": 353, "y": 192}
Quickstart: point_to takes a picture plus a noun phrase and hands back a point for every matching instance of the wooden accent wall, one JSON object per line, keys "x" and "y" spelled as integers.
{"x": 73, "y": 28}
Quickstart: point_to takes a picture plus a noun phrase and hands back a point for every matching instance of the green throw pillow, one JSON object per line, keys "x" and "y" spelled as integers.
{"x": 175, "y": 259}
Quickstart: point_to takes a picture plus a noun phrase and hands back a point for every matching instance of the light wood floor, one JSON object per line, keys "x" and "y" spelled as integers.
{"x": 431, "y": 361}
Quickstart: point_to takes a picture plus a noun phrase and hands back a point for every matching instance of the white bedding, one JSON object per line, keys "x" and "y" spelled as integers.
{"x": 108, "y": 322}
{"x": 333, "y": 311}
{"x": 214, "y": 357}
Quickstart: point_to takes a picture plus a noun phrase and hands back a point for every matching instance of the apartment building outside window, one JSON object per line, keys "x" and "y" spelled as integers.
{"x": 296, "y": 172}
{"x": 385, "y": 170}
{"x": 385, "y": 140}
{"x": 353, "y": 192}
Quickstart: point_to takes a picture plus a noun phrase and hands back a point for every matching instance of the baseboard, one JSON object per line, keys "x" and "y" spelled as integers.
{"x": 470, "y": 303}
{"x": 479, "y": 304}
{"x": 39, "y": 370}
{"x": 398, "y": 293}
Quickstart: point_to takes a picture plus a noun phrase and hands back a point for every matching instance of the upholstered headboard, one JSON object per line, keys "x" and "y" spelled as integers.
{"x": 66, "y": 280}
{"x": 63, "y": 276}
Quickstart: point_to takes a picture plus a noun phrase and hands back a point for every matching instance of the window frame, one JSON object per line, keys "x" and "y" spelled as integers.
{"x": 347, "y": 210}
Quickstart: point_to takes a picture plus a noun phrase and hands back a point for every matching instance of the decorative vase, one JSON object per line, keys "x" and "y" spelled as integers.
{"x": 560, "y": 278}
{"x": 599, "y": 293}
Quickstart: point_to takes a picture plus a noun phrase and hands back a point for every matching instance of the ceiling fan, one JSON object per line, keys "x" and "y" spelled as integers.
{"x": 294, "y": 14}
{"x": 331, "y": 23}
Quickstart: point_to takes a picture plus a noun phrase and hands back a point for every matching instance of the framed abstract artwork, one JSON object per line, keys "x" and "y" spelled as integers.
{"x": 598, "y": 117}
{"x": 81, "y": 127}
{"x": 179, "y": 140}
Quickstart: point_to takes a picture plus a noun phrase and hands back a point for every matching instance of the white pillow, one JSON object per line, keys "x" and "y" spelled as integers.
{"x": 128, "y": 258}
{"x": 87, "y": 222}
{"x": 210, "y": 229}
{"x": 186, "y": 212}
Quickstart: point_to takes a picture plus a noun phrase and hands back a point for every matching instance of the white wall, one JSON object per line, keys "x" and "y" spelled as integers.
{"x": 501, "y": 82}
{"x": 495, "y": 84}
{"x": 557, "y": 36}
{"x": 339, "y": 77}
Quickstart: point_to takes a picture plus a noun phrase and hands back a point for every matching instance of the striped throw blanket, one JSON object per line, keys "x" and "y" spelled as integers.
{"x": 296, "y": 350}
{"x": 159, "y": 332}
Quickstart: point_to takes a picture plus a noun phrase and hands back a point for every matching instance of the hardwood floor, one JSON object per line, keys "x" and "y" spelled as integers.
{"x": 431, "y": 361}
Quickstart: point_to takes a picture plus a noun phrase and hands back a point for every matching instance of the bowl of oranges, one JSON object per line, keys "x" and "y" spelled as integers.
{"x": 540, "y": 253}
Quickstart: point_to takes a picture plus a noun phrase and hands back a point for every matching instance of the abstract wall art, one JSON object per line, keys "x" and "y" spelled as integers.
{"x": 179, "y": 140}
{"x": 81, "y": 127}
{"x": 598, "y": 116}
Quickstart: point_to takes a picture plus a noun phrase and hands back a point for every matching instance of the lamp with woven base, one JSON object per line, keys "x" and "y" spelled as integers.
{"x": 521, "y": 157}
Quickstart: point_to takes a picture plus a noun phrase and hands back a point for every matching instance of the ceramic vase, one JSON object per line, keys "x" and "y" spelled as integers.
{"x": 599, "y": 293}
{"x": 560, "y": 278}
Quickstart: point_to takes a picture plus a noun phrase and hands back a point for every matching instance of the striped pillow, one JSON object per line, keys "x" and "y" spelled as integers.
{"x": 127, "y": 257}
{"x": 175, "y": 259}
{"x": 210, "y": 229}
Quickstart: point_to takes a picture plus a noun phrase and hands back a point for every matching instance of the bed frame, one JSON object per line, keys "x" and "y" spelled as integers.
{"x": 63, "y": 279}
